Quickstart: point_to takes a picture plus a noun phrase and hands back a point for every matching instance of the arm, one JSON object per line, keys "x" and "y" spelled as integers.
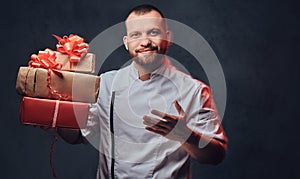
{"x": 78, "y": 136}
{"x": 72, "y": 136}
{"x": 213, "y": 153}
{"x": 203, "y": 148}
{"x": 173, "y": 127}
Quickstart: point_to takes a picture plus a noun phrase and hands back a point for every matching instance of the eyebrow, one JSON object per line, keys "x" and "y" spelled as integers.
{"x": 154, "y": 28}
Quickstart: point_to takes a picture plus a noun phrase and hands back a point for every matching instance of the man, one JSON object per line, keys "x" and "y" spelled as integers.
{"x": 151, "y": 117}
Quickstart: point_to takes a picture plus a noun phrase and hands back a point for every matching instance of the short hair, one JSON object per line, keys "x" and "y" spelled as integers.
{"x": 144, "y": 9}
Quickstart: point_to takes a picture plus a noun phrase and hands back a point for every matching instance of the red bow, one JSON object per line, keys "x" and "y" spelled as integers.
{"x": 73, "y": 45}
{"x": 44, "y": 59}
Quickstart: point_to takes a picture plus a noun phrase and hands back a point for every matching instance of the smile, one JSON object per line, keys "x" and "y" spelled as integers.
{"x": 146, "y": 51}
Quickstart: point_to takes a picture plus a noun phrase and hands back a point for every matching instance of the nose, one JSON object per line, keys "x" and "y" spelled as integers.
{"x": 145, "y": 42}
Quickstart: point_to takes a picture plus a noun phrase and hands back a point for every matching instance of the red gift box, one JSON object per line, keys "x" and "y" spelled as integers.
{"x": 54, "y": 113}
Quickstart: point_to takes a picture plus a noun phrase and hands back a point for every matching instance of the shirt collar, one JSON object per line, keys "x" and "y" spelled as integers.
{"x": 160, "y": 70}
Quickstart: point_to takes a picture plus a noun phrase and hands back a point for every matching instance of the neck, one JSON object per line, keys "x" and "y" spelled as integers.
{"x": 146, "y": 70}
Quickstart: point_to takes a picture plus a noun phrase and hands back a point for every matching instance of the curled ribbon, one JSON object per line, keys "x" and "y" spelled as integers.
{"x": 73, "y": 45}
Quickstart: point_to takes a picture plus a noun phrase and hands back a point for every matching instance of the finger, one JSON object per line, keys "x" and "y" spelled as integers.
{"x": 155, "y": 130}
{"x": 148, "y": 121}
{"x": 178, "y": 108}
{"x": 158, "y": 113}
{"x": 163, "y": 115}
{"x": 151, "y": 121}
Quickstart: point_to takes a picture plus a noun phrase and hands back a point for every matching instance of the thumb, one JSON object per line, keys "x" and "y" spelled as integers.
{"x": 178, "y": 108}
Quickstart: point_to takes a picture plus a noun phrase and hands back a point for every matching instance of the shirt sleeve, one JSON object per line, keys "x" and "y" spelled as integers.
{"x": 203, "y": 117}
{"x": 92, "y": 131}
{"x": 92, "y": 128}
{"x": 99, "y": 111}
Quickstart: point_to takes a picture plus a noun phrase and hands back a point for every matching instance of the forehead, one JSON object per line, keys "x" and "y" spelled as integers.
{"x": 146, "y": 21}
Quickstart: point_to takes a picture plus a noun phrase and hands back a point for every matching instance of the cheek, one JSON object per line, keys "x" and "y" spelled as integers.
{"x": 158, "y": 42}
{"x": 165, "y": 44}
{"x": 132, "y": 45}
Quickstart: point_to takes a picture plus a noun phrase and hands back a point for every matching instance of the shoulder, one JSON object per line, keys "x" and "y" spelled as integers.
{"x": 105, "y": 80}
{"x": 108, "y": 75}
{"x": 114, "y": 77}
{"x": 185, "y": 81}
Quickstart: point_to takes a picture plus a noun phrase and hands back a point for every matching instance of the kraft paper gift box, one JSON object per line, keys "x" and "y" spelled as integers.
{"x": 54, "y": 113}
{"x": 85, "y": 65}
{"x": 73, "y": 86}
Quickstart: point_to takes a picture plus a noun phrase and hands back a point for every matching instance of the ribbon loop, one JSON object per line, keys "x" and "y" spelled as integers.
{"x": 73, "y": 45}
{"x": 44, "y": 59}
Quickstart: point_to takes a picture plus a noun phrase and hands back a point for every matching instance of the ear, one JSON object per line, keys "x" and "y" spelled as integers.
{"x": 125, "y": 41}
{"x": 169, "y": 37}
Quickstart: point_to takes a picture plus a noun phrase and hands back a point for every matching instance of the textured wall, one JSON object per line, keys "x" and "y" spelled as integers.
{"x": 256, "y": 42}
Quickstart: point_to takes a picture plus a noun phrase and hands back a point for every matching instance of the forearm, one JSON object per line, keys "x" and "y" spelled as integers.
{"x": 211, "y": 151}
{"x": 72, "y": 136}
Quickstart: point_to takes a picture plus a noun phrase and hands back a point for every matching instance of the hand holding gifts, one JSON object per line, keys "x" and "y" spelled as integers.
{"x": 59, "y": 77}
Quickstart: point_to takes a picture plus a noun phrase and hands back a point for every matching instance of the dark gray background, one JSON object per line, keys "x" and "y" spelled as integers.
{"x": 256, "y": 42}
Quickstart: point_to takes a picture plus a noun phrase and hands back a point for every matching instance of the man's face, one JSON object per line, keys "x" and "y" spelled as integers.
{"x": 147, "y": 39}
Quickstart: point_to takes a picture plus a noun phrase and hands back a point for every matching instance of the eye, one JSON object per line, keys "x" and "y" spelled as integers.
{"x": 154, "y": 32}
{"x": 135, "y": 35}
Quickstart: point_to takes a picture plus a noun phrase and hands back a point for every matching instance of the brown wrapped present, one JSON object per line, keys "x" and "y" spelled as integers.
{"x": 85, "y": 65}
{"x": 42, "y": 83}
{"x": 54, "y": 113}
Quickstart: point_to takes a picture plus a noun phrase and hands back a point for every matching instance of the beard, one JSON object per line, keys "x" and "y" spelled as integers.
{"x": 150, "y": 60}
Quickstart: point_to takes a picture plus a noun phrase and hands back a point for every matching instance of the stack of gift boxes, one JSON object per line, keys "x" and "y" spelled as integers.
{"x": 58, "y": 86}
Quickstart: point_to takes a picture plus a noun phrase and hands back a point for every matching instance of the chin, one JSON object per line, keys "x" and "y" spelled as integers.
{"x": 148, "y": 60}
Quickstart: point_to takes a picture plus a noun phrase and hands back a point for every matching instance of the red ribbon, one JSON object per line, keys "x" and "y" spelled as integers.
{"x": 73, "y": 45}
{"x": 55, "y": 139}
{"x": 44, "y": 59}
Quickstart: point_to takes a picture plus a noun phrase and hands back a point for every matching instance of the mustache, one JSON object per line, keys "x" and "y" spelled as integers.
{"x": 150, "y": 47}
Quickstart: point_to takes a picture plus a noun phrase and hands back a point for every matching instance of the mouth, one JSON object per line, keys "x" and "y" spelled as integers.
{"x": 146, "y": 50}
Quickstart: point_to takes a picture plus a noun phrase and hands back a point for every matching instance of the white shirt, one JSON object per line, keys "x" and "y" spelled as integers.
{"x": 139, "y": 153}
